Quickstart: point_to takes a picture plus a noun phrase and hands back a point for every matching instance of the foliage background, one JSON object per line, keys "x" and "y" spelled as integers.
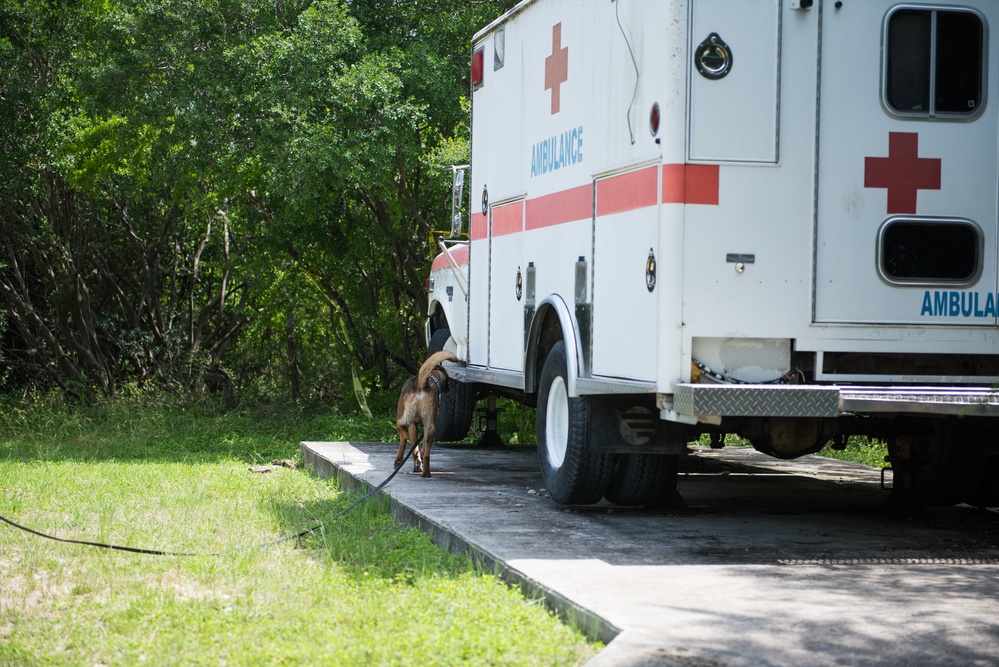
{"x": 225, "y": 194}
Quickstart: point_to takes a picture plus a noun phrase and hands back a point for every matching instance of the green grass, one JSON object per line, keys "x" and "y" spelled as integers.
{"x": 174, "y": 476}
{"x": 859, "y": 449}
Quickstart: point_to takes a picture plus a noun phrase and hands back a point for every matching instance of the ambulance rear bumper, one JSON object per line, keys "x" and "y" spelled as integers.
{"x": 748, "y": 400}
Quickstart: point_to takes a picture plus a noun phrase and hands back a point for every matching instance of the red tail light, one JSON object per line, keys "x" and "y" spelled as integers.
{"x": 478, "y": 58}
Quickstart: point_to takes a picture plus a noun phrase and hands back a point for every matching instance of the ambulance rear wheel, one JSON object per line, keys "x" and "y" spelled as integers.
{"x": 457, "y": 404}
{"x": 640, "y": 479}
{"x": 571, "y": 471}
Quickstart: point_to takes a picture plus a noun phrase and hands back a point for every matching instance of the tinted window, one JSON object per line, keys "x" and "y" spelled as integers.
{"x": 933, "y": 63}
{"x": 959, "y": 62}
{"x": 909, "y": 61}
{"x": 930, "y": 251}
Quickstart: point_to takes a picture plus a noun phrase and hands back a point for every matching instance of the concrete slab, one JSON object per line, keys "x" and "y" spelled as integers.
{"x": 775, "y": 563}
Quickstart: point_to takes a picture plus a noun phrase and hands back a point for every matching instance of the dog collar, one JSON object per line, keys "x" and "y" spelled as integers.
{"x": 437, "y": 384}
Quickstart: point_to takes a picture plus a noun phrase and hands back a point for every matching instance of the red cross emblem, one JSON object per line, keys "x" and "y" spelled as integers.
{"x": 903, "y": 172}
{"x": 556, "y": 66}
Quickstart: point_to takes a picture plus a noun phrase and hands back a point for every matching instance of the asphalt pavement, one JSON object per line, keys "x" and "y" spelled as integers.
{"x": 773, "y": 562}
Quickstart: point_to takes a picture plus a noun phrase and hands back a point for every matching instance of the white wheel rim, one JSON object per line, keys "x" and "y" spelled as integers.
{"x": 557, "y": 423}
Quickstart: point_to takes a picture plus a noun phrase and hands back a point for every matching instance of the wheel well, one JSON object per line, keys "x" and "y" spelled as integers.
{"x": 549, "y": 333}
{"x": 438, "y": 320}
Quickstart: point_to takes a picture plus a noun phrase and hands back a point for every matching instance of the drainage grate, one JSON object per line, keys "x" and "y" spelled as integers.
{"x": 889, "y": 561}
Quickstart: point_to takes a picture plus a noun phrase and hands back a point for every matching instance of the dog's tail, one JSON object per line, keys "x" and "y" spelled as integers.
{"x": 428, "y": 366}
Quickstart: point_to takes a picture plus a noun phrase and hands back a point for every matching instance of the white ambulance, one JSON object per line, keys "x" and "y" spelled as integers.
{"x": 771, "y": 218}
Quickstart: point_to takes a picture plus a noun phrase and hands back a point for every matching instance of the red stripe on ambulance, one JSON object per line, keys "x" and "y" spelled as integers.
{"x": 459, "y": 253}
{"x": 478, "y": 227}
{"x": 559, "y": 207}
{"x": 690, "y": 184}
{"x": 682, "y": 184}
{"x": 508, "y": 219}
{"x": 627, "y": 192}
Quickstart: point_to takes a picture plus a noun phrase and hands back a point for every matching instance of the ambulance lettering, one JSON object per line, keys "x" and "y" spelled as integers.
{"x": 561, "y": 150}
{"x": 948, "y": 303}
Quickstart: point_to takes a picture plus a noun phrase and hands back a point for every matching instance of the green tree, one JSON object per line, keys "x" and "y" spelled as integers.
{"x": 225, "y": 184}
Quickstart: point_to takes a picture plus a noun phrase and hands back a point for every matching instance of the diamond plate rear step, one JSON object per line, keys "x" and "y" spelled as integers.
{"x": 969, "y": 401}
{"x": 756, "y": 400}
{"x": 749, "y": 400}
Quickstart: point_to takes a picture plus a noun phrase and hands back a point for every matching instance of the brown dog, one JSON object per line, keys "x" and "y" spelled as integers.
{"x": 418, "y": 403}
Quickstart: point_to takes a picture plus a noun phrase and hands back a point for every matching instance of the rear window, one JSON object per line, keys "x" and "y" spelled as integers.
{"x": 930, "y": 252}
{"x": 934, "y": 63}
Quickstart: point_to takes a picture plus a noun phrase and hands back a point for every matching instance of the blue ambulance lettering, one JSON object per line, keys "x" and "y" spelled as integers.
{"x": 949, "y": 303}
{"x": 558, "y": 151}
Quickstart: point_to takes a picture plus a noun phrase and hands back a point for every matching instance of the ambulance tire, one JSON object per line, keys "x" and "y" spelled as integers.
{"x": 457, "y": 404}
{"x": 640, "y": 479}
{"x": 571, "y": 471}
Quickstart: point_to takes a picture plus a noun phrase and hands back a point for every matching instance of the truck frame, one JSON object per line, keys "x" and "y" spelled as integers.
{"x": 770, "y": 218}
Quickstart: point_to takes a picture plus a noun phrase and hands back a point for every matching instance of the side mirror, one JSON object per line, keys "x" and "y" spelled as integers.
{"x": 457, "y": 188}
